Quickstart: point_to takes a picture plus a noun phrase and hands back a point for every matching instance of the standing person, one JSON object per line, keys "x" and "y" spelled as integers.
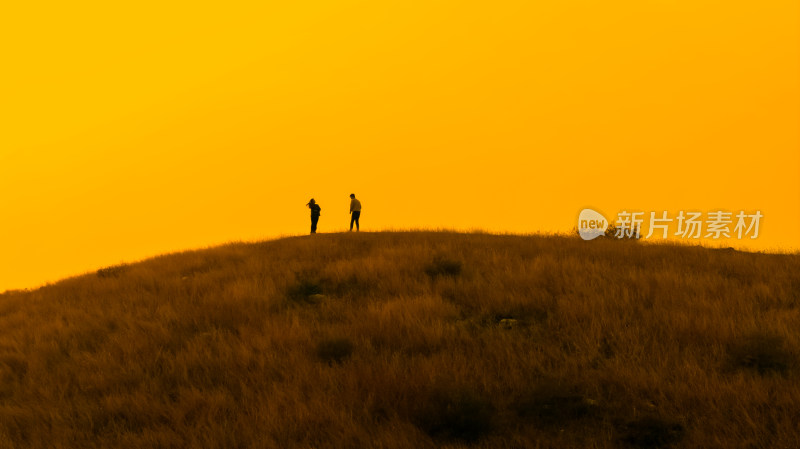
{"x": 315, "y": 210}
{"x": 355, "y": 211}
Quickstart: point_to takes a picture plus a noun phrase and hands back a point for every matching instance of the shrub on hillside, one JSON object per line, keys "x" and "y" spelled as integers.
{"x": 554, "y": 404}
{"x": 613, "y": 230}
{"x": 114, "y": 271}
{"x": 455, "y": 415}
{"x": 652, "y": 432}
{"x": 304, "y": 290}
{"x": 334, "y": 350}
{"x": 442, "y": 266}
{"x": 611, "y": 233}
{"x": 761, "y": 352}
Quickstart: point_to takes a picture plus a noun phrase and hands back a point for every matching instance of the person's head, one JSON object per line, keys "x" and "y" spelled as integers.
{"x": 352, "y": 195}
{"x": 310, "y": 202}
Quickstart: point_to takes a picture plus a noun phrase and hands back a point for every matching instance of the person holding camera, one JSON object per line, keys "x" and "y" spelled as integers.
{"x": 315, "y": 210}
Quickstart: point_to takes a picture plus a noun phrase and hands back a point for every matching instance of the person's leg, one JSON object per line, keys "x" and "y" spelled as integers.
{"x": 356, "y": 215}
{"x": 314, "y": 221}
{"x": 352, "y": 219}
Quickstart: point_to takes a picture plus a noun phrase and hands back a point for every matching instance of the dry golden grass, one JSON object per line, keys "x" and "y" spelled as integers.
{"x": 410, "y": 340}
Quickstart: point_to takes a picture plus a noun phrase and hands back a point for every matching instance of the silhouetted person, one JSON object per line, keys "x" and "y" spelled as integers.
{"x": 355, "y": 211}
{"x": 315, "y": 210}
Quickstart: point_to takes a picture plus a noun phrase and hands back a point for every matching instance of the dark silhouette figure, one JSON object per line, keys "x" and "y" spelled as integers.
{"x": 355, "y": 211}
{"x": 315, "y": 210}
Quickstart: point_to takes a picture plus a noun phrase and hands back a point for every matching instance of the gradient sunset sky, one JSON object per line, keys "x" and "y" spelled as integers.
{"x": 131, "y": 130}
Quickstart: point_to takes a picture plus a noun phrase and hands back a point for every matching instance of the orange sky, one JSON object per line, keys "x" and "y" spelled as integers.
{"x": 130, "y": 131}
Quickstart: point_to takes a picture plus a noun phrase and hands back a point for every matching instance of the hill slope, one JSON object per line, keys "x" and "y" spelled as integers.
{"x": 413, "y": 339}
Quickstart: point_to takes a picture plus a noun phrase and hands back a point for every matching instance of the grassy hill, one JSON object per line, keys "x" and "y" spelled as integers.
{"x": 410, "y": 340}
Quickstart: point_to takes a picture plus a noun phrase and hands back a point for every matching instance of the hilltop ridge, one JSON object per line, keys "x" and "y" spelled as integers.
{"x": 409, "y": 339}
